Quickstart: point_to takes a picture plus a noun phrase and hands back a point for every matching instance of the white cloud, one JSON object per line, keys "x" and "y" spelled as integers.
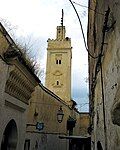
{"x": 40, "y": 18}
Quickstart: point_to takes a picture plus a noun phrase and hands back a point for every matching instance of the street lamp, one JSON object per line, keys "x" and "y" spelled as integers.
{"x": 60, "y": 115}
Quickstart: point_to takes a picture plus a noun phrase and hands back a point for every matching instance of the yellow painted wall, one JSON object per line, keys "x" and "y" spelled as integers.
{"x": 59, "y": 49}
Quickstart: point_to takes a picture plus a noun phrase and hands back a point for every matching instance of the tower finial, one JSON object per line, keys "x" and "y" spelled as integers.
{"x": 62, "y": 18}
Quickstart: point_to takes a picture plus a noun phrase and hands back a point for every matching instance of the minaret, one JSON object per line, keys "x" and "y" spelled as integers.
{"x": 58, "y": 69}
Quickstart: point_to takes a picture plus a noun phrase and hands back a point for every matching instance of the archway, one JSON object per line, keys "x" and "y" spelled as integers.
{"x": 10, "y": 136}
{"x": 99, "y": 146}
{"x": 116, "y": 113}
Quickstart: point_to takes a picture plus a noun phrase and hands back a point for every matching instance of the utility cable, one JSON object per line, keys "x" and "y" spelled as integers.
{"x": 89, "y": 8}
{"x": 94, "y": 57}
{"x": 43, "y": 103}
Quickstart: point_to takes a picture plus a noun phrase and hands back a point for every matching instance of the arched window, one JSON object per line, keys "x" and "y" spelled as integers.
{"x": 57, "y": 82}
{"x": 58, "y": 61}
{"x": 58, "y": 58}
{"x": 116, "y": 113}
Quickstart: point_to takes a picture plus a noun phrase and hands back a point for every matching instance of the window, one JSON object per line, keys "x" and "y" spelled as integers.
{"x": 57, "y": 82}
{"x": 58, "y": 58}
{"x": 58, "y": 61}
{"x": 27, "y": 144}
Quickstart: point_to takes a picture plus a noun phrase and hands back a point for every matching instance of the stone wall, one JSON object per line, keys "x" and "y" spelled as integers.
{"x": 16, "y": 86}
{"x": 104, "y": 91}
{"x": 46, "y": 104}
{"x": 24, "y": 101}
{"x": 47, "y": 141}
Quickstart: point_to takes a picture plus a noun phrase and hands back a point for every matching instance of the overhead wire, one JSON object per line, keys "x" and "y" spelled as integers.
{"x": 41, "y": 103}
{"x": 82, "y": 104}
{"x": 94, "y": 57}
{"x": 88, "y": 8}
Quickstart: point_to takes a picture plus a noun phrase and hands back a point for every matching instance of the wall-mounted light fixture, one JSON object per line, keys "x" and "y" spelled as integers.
{"x": 60, "y": 115}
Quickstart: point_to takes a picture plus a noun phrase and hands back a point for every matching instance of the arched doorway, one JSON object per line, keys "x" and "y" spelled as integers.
{"x": 99, "y": 146}
{"x": 116, "y": 113}
{"x": 9, "y": 140}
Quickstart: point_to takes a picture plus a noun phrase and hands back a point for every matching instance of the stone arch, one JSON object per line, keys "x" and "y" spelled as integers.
{"x": 10, "y": 136}
{"x": 115, "y": 110}
{"x": 99, "y": 146}
{"x": 116, "y": 113}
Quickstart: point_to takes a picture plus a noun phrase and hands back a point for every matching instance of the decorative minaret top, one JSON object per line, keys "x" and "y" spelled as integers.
{"x": 61, "y": 29}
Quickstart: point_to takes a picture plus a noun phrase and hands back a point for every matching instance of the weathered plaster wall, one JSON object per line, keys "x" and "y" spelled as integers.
{"x": 46, "y": 106}
{"x": 8, "y": 113}
{"x": 13, "y": 79}
{"x": 111, "y": 78}
{"x": 47, "y": 141}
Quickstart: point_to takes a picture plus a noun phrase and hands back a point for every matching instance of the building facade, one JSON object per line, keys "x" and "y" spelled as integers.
{"x": 104, "y": 70}
{"x": 28, "y": 109}
{"x": 46, "y": 101}
{"x": 58, "y": 69}
{"x": 44, "y": 106}
{"x": 16, "y": 85}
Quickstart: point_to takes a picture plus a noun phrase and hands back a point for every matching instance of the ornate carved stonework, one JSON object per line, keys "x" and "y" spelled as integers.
{"x": 19, "y": 85}
{"x": 57, "y": 73}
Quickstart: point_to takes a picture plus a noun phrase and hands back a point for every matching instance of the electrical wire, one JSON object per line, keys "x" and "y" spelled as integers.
{"x": 82, "y": 105}
{"x": 40, "y": 103}
{"x": 88, "y": 8}
{"x": 94, "y": 57}
{"x": 43, "y": 103}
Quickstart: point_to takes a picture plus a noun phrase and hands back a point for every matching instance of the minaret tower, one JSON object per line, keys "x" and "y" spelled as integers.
{"x": 58, "y": 69}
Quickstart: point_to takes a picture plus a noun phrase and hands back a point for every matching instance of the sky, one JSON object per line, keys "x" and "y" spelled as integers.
{"x": 36, "y": 20}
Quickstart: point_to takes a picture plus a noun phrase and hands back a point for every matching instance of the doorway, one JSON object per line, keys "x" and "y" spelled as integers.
{"x": 99, "y": 146}
{"x": 10, "y": 136}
